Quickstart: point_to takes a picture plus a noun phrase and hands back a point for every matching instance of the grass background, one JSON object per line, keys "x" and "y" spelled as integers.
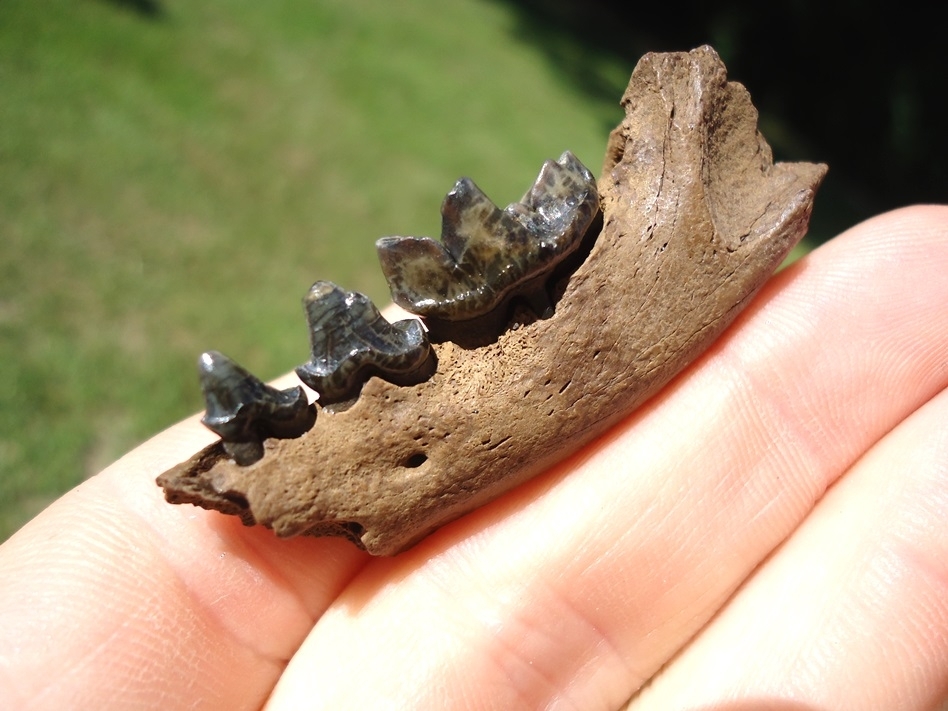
{"x": 174, "y": 176}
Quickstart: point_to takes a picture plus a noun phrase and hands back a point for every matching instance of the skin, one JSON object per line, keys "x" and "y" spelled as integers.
{"x": 768, "y": 532}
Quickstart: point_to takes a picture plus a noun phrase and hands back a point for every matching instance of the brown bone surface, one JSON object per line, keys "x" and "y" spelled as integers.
{"x": 696, "y": 218}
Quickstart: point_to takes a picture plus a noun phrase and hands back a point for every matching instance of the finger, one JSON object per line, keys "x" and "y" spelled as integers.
{"x": 853, "y": 611}
{"x": 112, "y": 598}
{"x": 580, "y": 585}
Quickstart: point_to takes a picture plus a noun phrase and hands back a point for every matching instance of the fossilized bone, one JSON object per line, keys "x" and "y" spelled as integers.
{"x": 695, "y": 219}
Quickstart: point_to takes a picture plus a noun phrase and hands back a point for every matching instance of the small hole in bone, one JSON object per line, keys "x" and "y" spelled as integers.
{"x": 416, "y": 460}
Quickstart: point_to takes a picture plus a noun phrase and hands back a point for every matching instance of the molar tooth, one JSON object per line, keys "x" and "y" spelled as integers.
{"x": 486, "y": 255}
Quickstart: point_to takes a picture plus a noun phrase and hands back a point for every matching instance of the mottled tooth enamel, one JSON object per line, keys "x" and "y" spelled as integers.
{"x": 352, "y": 341}
{"x": 487, "y": 255}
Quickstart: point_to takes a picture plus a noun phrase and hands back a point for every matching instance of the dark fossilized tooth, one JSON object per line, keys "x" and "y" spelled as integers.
{"x": 244, "y": 411}
{"x": 352, "y": 341}
{"x": 486, "y": 254}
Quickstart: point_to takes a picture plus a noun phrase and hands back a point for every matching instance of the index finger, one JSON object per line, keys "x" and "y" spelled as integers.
{"x": 111, "y": 597}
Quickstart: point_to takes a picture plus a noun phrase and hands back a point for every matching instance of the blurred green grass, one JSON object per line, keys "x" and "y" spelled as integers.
{"x": 174, "y": 181}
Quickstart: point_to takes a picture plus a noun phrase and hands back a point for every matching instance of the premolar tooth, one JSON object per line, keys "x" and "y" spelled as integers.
{"x": 244, "y": 410}
{"x": 352, "y": 341}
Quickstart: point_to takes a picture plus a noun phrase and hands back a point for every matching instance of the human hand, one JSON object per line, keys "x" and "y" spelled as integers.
{"x": 768, "y": 532}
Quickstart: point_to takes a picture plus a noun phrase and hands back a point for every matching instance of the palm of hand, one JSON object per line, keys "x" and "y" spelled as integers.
{"x": 769, "y": 529}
